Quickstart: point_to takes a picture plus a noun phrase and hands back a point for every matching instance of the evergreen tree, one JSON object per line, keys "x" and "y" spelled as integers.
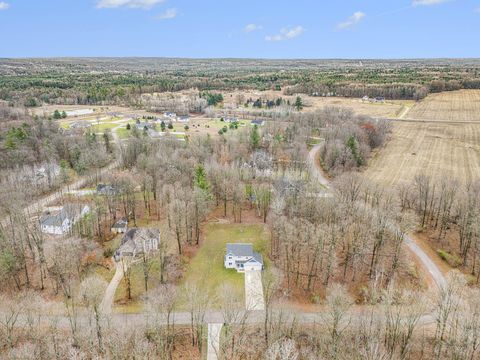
{"x": 57, "y": 115}
{"x": 298, "y": 103}
{"x": 254, "y": 138}
{"x": 201, "y": 178}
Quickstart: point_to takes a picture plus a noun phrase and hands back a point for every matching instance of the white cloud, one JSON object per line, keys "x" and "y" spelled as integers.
{"x": 135, "y": 4}
{"x": 252, "y": 27}
{"x": 286, "y": 34}
{"x": 4, "y": 5}
{"x": 351, "y": 21}
{"x": 428, "y": 2}
{"x": 168, "y": 14}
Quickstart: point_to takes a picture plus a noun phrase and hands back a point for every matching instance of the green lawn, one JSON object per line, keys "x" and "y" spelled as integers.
{"x": 217, "y": 124}
{"x": 206, "y": 268}
{"x": 138, "y": 287}
{"x": 123, "y": 133}
{"x": 103, "y": 126}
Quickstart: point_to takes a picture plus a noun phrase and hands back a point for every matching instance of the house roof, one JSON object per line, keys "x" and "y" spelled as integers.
{"x": 133, "y": 239}
{"x": 257, "y": 257}
{"x": 68, "y": 211}
{"x": 258, "y": 122}
{"x": 121, "y": 223}
{"x": 240, "y": 249}
{"x": 106, "y": 189}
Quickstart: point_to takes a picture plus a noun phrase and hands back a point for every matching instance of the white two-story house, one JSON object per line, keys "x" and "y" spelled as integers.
{"x": 242, "y": 257}
{"x": 61, "y": 221}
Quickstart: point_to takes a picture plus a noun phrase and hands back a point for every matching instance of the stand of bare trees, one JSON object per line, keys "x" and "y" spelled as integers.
{"x": 449, "y": 214}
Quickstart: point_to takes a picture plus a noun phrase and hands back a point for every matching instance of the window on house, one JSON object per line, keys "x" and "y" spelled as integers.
{"x": 229, "y": 264}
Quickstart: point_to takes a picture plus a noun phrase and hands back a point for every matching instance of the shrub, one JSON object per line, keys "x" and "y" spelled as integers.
{"x": 451, "y": 259}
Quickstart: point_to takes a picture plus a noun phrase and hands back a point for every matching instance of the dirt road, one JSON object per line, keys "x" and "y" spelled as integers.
{"x": 427, "y": 263}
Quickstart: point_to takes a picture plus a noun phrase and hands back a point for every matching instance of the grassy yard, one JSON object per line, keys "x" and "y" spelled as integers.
{"x": 217, "y": 124}
{"x": 206, "y": 268}
{"x": 138, "y": 287}
{"x": 103, "y": 126}
{"x": 123, "y": 133}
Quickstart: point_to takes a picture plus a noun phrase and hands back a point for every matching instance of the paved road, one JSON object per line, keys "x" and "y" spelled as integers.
{"x": 426, "y": 261}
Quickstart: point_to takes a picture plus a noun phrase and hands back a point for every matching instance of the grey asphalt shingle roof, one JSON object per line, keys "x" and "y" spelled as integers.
{"x": 244, "y": 250}
{"x": 240, "y": 249}
{"x": 68, "y": 211}
{"x": 133, "y": 239}
{"x": 120, "y": 224}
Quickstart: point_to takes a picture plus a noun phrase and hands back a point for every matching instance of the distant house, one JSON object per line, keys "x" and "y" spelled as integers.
{"x": 61, "y": 221}
{"x": 365, "y": 98}
{"x": 230, "y": 120}
{"x": 183, "y": 119}
{"x": 80, "y": 125}
{"x": 105, "y": 189}
{"x": 138, "y": 241}
{"x": 257, "y": 122}
{"x": 120, "y": 226}
{"x": 142, "y": 126}
{"x": 242, "y": 257}
{"x": 380, "y": 99}
{"x": 169, "y": 114}
{"x": 79, "y": 112}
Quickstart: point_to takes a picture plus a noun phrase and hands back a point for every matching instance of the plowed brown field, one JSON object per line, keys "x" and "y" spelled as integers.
{"x": 461, "y": 105}
{"x": 434, "y": 148}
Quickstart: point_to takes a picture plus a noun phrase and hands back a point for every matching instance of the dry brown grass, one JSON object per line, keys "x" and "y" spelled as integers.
{"x": 438, "y": 150}
{"x": 461, "y": 105}
{"x": 389, "y": 109}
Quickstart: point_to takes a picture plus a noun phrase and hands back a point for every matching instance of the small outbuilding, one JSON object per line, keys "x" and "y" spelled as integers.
{"x": 258, "y": 122}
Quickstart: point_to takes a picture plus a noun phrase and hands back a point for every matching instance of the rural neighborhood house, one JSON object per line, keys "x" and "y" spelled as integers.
{"x": 120, "y": 226}
{"x": 242, "y": 257}
{"x": 59, "y": 222}
{"x": 138, "y": 241}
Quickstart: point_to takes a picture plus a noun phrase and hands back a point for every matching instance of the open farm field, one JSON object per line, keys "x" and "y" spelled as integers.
{"x": 461, "y": 105}
{"x": 435, "y": 149}
{"x": 388, "y": 109}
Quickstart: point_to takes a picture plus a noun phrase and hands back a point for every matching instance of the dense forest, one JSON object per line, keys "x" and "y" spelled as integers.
{"x": 31, "y": 82}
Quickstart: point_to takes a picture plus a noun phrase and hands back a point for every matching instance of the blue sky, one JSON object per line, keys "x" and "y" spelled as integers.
{"x": 240, "y": 28}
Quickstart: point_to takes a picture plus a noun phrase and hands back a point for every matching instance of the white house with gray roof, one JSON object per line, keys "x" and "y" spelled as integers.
{"x": 242, "y": 257}
{"x": 61, "y": 221}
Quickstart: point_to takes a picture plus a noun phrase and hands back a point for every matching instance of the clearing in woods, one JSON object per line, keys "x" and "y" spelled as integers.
{"x": 461, "y": 105}
{"x": 434, "y": 148}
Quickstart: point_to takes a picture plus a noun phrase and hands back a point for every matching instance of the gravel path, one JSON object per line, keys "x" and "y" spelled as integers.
{"x": 107, "y": 301}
